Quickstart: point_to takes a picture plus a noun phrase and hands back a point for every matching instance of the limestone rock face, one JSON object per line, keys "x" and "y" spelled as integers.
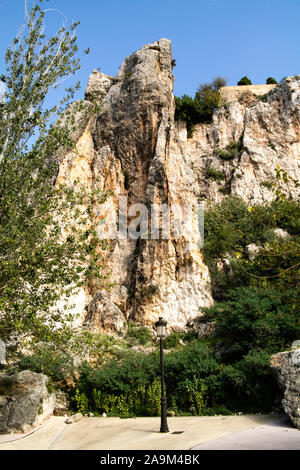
{"x": 2, "y": 353}
{"x": 267, "y": 134}
{"x": 62, "y": 403}
{"x": 98, "y": 86}
{"x": 103, "y": 314}
{"x": 286, "y": 366}
{"x": 136, "y": 150}
{"x": 24, "y": 401}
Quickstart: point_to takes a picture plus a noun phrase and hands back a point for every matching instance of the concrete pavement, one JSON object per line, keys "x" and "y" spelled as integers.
{"x": 277, "y": 435}
{"x": 203, "y": 432}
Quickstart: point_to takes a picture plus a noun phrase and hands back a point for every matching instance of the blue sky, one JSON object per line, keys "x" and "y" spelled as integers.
{"x": 232, "y": 38}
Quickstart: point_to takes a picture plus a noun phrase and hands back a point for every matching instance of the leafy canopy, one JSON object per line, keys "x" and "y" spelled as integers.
{"x": 201, "y": 108}
{"x": 244, "y": 81}
{"x": 41, "y": 260}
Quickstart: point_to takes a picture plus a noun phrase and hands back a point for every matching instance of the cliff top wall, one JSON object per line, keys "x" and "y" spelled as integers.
{"x": 233, "y": 93}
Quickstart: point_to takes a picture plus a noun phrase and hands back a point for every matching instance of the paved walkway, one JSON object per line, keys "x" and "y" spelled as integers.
{"x": 205, "y": 432}
{"x": 278, "y": 435}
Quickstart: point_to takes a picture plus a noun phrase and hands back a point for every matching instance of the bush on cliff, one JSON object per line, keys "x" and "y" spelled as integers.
{"x": 244, "y": 81}
{"x": 200, "y": 109}
{"x": 231, "y": 226}
{"x": 271, "y": 81}
{"x": 256, "y": 318}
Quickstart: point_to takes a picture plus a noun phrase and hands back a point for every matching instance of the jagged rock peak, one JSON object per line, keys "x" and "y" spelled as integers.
{"x": 141, "y": 61}
{"x": 151, "y": 61}
{"x": 98, "y": 86}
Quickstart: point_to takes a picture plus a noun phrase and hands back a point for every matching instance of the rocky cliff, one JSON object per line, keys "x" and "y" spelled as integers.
{"x": 286, "y": 368}
{"x": 136, "y": 149}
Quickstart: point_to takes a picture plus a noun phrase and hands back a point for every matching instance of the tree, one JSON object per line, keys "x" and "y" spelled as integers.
{"x": 219, "y": 82}
{"x": 209, "y": 97}
{"x": 244, "y": 81}
{"x": 271, "y": 81}
{"x": 40, "y": 260}
{"x": 255, "y": 318}
{"x": 188, "y": 109}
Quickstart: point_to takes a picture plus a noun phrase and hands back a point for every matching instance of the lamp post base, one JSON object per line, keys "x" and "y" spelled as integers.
{"x": 164, "y": 429}
{"x": 163, "y": 423}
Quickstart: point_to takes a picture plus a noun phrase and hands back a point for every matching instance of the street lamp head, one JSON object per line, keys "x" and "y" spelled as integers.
{"x": 160, "y": 326}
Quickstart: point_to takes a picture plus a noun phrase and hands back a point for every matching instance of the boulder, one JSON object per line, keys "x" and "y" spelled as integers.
{"x": 286, "y": 367}
{"x": 25, "y": 401}
{"x": 62, "y": 403}
{"x": 74, "y": 418}
{"x": 104, "y": 314}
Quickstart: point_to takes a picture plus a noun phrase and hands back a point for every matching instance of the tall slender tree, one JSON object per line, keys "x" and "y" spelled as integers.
{"x": 41, "y": 261}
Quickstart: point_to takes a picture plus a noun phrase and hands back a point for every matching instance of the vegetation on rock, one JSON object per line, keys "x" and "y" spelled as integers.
{"x": 232, "y": 150}
{"x": 200, "y": 108}
{"x": 271, "y": 81}
{"x": 244, "y": 81}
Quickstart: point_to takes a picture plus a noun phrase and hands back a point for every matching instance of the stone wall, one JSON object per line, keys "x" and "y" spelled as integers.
{"x": 232, "y": 93}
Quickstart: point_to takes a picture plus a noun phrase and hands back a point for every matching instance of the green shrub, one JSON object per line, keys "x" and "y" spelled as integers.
{"x": 173, "y": 340}
{"x": 271, "y": 81}
{"x": 225, "y": 228}
{"x": 195, "y": 391}
{"x": 195, "y": 380}
{"x": 81, "y": 402}
{"x": 231, "y": 225}
{"x": 57, "y": 365}
{"x": 188, "y": 110}
{"x": 120, "y": 388}
{"x": 140, "y": 401}
{"x": 244, "y": 81}
{"x": 249, "y": 384}
{"x": 209, "y": 99}
{"x": 141, "y": 334}
{"x": 232, "y": 150}
{"x": 267, "y": 184}
{"x": 190, "y": 335}
{"x": 286, "y": 215}
{"x": 201, "y": 108}
{"x": 213, "y": 174}
{"x": 226, "y": 190}
{"x": 50, "y": 386}
{"x": 256, "y": 318}
{"x": 119, "y": 376}
{"x": 195, "y": 359}
{"x": 263, "y": 98}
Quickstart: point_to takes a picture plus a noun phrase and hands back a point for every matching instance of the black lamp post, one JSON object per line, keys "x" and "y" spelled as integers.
{"x": 161, "y": 333}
